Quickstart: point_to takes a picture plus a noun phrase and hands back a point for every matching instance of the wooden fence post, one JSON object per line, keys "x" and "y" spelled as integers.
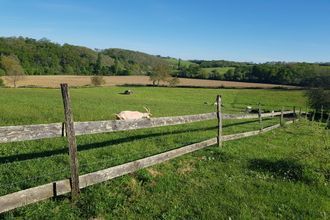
{"x": 281, "y": 118}
{"x": 328, "y": 122}
{"x": 219, "y": 116}
{"x": 313, "y": 116}
{"x": 321, "y": 119}
{"x": 260, "y": 118}
{"x": 299, "y": 115}
{"x": 71, "y": 141}
{"x": 294, "y": 114}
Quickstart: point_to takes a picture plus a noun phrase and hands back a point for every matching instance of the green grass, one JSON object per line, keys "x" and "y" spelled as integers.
{"x": 174, "y": 62}
{"x": 269, "y": 176}
{"x": 33, "y": 106}
{"x": 221, "y": 70}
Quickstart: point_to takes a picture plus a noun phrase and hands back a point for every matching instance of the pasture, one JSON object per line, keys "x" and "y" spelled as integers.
{"x": 221, "y": 70}
{"x": 271, "y": 175}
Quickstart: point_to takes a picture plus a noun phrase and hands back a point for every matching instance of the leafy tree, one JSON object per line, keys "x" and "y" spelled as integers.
{"x": 97, "y": 80}
{"x": 13, "y": 68}
{"x": 161, "y": 72}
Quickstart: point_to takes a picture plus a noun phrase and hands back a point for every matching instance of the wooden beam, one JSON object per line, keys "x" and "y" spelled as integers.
{"x": 39, "y": 193}
{"x": 71, "y": 136}
{"x": 219, "y": 117}
{"x": 260, "y": 117}
{"x": 42, "y": 131}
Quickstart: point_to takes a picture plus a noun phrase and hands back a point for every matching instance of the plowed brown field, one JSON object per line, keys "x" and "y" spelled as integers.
{"x": 54, "y": 81}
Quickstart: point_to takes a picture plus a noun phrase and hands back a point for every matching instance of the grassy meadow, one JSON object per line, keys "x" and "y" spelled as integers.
{"x": 221, "y": 70}
{"x": 281, "y": 174}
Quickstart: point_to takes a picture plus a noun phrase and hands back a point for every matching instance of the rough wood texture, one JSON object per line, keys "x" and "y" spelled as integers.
{"x": 321, "y": 117}
{"x": 32, "y": 195}
{"x": 260, "y": 117}
{"x": 219, "y": 117}
{"x": 71, "y": 136}
{"x": 282, "y": 117}
{"x": 35, "y": 132}
{"x": 29, "y": 132}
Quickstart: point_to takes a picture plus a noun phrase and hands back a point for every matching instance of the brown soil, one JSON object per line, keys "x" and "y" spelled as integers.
{"x": 55, "y": 81}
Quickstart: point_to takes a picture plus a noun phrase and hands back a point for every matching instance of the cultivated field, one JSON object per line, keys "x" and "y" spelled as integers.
{"x": 54, "y": 82}
{"x": 268, "y": 176}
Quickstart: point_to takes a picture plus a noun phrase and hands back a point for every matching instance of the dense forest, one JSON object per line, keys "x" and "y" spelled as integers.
{"x": 43, "y": 57}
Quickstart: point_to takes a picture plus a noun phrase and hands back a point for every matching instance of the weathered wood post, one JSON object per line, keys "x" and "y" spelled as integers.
{"x": 321, "y": 119}
{"x": 71, "y": 141}
{"x": 299, "y": 115}
{"x": 259, "y": 116}
{"x": 313, "y": 116}
{"x": 281, "y": 117}
{"x": 294, "y": 114}
{"x": 219, "y": 116}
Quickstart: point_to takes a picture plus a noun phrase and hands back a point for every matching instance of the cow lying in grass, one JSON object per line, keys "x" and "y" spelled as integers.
{"x": 133, "y": 115}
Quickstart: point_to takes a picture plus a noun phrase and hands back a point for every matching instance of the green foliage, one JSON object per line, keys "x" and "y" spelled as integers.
{"x": 97, "y": 80}
{"x": 174, "y": 81}
{"x": 1, "y": 83}
{"x": 2, "y": 72}
{"x": 13, "y": 68}
{"x": 161, "y": 72}
{"x": 42, "y": 57}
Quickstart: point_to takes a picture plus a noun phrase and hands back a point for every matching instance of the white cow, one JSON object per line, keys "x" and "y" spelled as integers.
{"x": 133, "y": 115}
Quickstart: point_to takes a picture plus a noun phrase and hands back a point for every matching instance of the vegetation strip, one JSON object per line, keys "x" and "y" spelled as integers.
{"x": 39, "y": 193}
{"x": 35, "y": 132}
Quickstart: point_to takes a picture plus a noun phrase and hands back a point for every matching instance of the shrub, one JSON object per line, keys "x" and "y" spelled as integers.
{"x": 173, "y": 81}
{"x": 1, "y": 83}
{"x": 97, "y": 80}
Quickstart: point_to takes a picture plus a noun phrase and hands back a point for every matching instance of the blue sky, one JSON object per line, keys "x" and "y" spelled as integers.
{"x": 244, "y": 30}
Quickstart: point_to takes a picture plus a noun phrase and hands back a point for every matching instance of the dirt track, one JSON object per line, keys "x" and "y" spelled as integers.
{"x": 54, "y": 81}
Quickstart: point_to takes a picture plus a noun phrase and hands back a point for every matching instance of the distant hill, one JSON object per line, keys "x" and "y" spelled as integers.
{"x": 43, "y": 57}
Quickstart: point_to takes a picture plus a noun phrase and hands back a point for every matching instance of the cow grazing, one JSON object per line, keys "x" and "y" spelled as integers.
{"x": 133, "y": 115}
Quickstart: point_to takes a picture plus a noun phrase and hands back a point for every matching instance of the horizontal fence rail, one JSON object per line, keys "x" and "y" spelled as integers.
{"x": 42, "y": 131}
{"x": 39, "y": 193}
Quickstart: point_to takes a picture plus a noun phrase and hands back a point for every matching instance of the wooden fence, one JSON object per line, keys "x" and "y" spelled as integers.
{"x": 71, "y": 129}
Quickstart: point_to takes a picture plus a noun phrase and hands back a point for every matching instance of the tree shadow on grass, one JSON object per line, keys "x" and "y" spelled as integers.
{"x": 110, "y": 143}
{"x": 284, "y": 169}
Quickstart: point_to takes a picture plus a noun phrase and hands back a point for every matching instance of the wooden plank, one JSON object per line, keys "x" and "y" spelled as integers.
{"x": 71, "y": 140}
{"x": 219, "y": 117}
{"x": 30, "y": 132}
{"x": 42, "y": 131}
{"x": 32, "y": 195}
{"x": 39, "y": 193}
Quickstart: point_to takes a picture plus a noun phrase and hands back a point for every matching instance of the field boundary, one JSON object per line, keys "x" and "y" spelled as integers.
{"x": 71, "y": 129}
{"x": 32, "y": 195}
{"x": 42, "y": 131}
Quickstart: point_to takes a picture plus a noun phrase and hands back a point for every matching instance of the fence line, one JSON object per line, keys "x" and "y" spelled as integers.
{"x": 61, "y": 187}
{"x": 42, "y": 131}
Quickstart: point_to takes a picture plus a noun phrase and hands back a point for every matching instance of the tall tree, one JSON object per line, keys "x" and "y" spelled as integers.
{"x": 13, "y": 68}
{"x": 161, "y": 72}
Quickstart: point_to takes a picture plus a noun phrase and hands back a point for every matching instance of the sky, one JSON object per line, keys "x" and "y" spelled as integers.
{"x": 240, "y": 30}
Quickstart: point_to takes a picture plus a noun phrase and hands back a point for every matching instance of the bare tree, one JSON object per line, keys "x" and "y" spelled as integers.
{"x": 13, "y": 68}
